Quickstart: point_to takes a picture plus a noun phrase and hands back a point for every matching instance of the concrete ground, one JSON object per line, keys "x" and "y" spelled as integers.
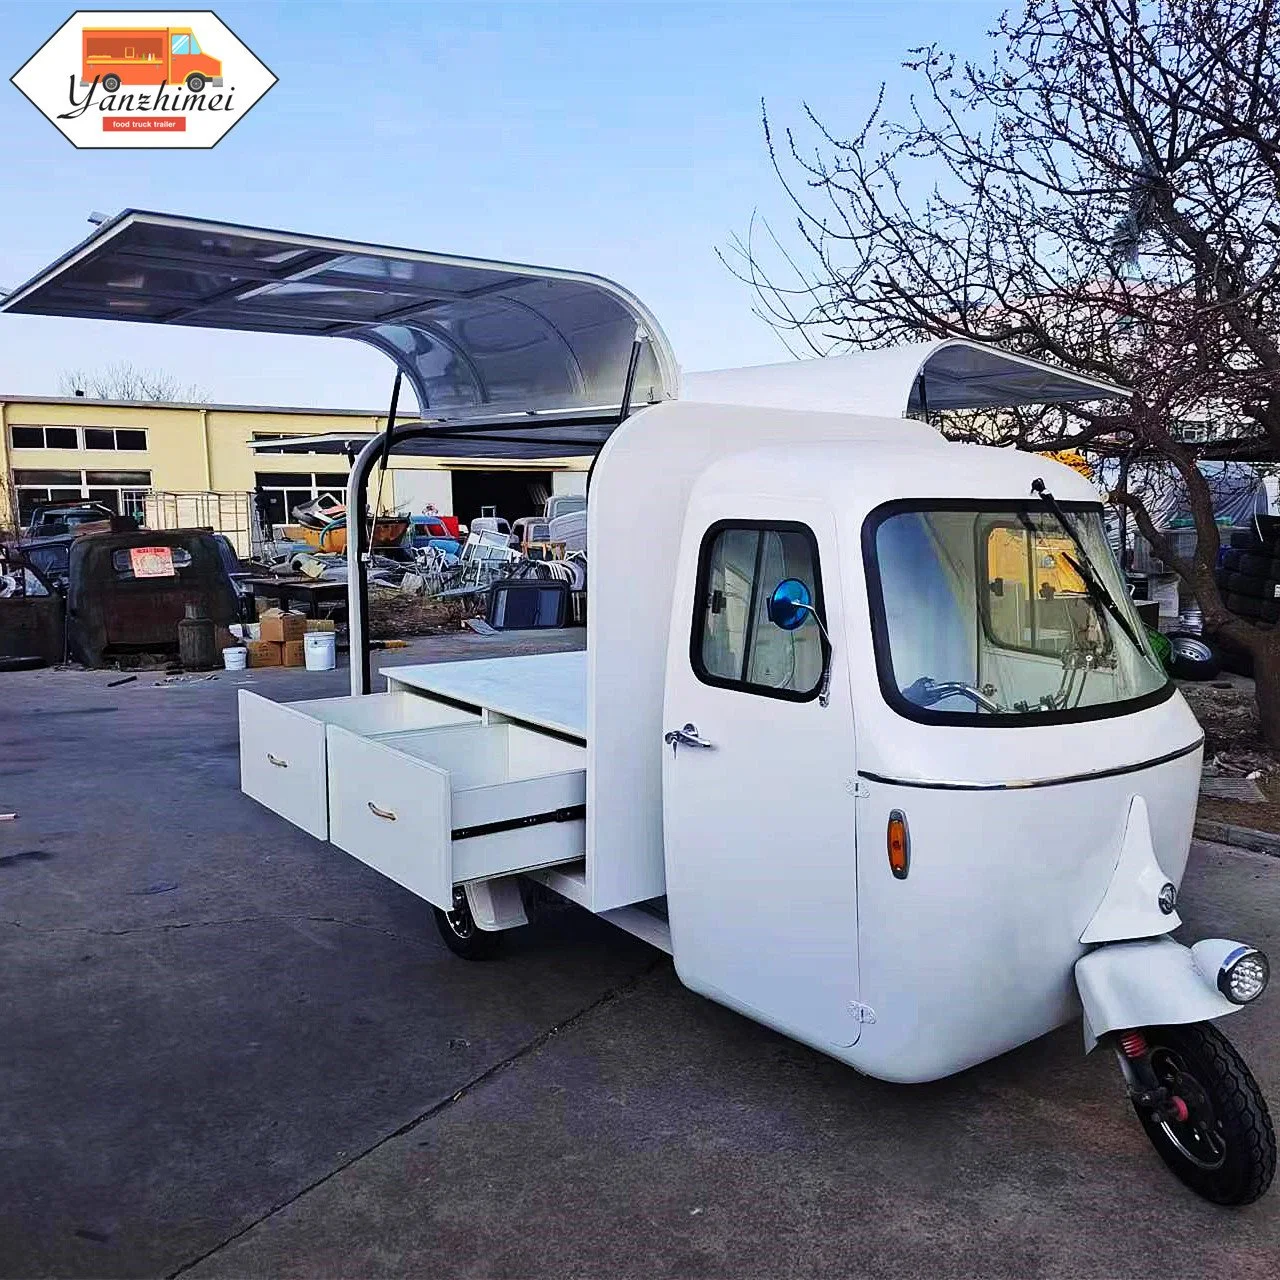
{"x": 226, "y": 1049}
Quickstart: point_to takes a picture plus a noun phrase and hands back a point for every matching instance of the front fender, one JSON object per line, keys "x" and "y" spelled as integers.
{"x": 1152, "y": 982}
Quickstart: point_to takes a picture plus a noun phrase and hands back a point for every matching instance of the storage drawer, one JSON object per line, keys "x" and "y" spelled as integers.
{"x": 434, "y": 808}
{"x": 282, "y": 745}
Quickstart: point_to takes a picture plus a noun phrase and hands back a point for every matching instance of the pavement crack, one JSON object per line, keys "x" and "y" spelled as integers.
{"x": 531, "y": 1046}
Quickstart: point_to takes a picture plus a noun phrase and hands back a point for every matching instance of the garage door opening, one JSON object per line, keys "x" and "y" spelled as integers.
{"x": 513, "y": 493}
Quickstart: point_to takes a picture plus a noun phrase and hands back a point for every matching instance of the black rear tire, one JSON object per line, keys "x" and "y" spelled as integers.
{"x": 110, "y": 83}
{"x": 462, "y": 935}
{"x": 1245, "y": 539}
{"x": 1225, "y": 1150}
{"x": 1257, "y": 564}
{"x": 1248, "y": 584}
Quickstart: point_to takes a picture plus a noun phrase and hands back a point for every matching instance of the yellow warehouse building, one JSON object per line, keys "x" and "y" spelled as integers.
{"x": 118, "y": 452}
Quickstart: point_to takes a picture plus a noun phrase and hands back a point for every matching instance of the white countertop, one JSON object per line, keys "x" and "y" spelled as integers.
{"x": 544, "y": 689}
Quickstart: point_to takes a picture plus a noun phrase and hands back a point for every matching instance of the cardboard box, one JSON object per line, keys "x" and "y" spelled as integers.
{"x": 262, "y": 603}
{"x": 293, "y": 653}
{"x": 264, "y": 653}
{"x": 280, "y": 627}
{"x": 321, "y": 624}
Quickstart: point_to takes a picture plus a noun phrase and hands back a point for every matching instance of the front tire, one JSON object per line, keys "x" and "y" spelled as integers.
{"x": 196, "y": 82}
{"x": 460, "y": 932}
{"x": 1225, "y": 1148}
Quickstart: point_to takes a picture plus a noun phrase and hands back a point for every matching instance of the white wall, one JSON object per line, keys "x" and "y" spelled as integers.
{"x": 415, "y": 489}
{"x": 569, "y": 482}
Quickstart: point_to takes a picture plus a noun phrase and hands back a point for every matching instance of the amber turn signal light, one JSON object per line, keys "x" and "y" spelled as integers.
{"x": 898, "y": 840}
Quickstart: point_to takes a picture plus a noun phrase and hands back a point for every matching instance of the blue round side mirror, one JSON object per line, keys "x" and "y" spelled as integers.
{"x": 790, "y": 604}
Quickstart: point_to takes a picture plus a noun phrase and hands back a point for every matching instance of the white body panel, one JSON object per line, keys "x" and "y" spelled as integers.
{"x": 1130, "y": 908}
{"x": 639, "y": 500}
{"x": 548, "y": 690}
{"x": 1146, "y": 984}
{"x": 760, "y": 843}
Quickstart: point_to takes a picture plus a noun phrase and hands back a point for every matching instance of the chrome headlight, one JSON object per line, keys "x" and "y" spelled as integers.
{"x": 1243, "y": 975}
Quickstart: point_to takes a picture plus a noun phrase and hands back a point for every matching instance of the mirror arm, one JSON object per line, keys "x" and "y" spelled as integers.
{"x": 824, "y": 689}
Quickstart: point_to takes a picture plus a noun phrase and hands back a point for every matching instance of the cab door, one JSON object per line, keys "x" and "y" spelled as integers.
{"x": 759, "y": 777}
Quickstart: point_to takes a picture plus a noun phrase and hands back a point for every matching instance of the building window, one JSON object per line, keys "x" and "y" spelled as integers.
{"x": 131, "y": 439}
{"x": 123, "y": 491}
{"x": 45, "y": 437}
{"x": 116, "y": 438}
{"x": 281, "y": 491}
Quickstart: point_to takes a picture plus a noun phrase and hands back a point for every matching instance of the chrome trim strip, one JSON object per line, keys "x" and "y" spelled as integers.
{"x": 935, "y": 785}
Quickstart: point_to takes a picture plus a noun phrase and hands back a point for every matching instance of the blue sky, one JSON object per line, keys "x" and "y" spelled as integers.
{"x": 618, "y": 138}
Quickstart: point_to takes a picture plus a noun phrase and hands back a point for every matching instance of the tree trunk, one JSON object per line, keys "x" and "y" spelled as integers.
{"x": 1266, "y": 674}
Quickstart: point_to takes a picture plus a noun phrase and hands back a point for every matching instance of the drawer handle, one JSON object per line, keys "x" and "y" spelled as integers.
{"x": 275, "y": 760}
{"x": 388, "y": 814}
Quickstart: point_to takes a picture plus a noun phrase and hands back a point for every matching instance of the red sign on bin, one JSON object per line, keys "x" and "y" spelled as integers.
{"x": 151, "y": 562}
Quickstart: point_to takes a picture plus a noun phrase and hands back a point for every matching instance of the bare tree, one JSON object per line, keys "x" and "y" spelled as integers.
{"x": 125, "y": 381}
{"x": 1103, "y": 193}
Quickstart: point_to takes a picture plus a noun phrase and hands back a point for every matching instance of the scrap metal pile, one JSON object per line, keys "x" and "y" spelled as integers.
{"x": 428, "y": 556}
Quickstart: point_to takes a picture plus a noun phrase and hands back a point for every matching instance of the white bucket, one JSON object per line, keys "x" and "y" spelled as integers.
{"x": 321, "y": 650}
{"x": 235, "y": 658}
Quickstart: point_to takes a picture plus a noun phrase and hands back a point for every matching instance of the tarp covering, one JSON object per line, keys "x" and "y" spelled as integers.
{"x": 474, "y": 337}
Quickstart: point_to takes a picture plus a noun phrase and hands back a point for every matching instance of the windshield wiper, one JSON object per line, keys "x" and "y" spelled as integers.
{"x": 1098, "y": 593}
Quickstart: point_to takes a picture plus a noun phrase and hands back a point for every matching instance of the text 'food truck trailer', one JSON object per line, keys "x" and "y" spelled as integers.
{"x": 870, "y": 739}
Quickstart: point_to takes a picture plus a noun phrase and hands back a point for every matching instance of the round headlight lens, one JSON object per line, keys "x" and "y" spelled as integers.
{"x": 1243, "y": 977}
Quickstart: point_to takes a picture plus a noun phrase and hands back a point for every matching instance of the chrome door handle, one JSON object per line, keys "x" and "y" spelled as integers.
{"x": 686, "y": 737}
{"x": 275, "y": 760}
{"x": 388, "y": 815}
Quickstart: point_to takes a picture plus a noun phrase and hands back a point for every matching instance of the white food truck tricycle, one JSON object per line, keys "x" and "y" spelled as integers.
{"x": 867, "y": 734}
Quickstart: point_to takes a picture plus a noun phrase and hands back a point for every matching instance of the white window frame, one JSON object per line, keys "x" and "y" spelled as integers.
{"x": 130, "y": 498}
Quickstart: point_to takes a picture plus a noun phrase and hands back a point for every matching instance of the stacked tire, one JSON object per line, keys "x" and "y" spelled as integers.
{"x": 1248, "y": 576}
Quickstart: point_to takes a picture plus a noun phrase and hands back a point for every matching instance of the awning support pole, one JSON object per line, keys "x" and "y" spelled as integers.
{"x": 357, "y": 566}
{"x": 624, "y": 411}
{"x": 633, "y": 363}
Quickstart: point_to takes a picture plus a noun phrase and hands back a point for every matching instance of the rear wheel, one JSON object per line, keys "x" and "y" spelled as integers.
{"x": 1221, "y": 1143}
{"x": 460, "y": 932}
{"x": 111, "y": 83}
{"x": 1192, "y": 659}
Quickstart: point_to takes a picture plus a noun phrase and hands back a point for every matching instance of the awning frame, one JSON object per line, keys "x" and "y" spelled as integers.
{"x": 444, "y": 371}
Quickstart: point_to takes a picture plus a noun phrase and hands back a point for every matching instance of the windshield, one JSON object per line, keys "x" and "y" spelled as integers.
{"x": 991, "y": 611}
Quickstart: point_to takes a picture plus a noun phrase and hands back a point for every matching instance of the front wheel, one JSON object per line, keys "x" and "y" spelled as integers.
{"x": 1217, "y": 1135}
{"x": 460, "y": 932}
{"x": 196, "y": 82}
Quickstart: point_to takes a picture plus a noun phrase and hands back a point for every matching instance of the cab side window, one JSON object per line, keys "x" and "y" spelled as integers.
{"x": 734, "y": 642}
{"x": 181, "y": 44}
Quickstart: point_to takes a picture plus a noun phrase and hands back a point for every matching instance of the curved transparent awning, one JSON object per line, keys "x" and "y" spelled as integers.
{"x": 475, "y": 338}
{"x": 913, "y": 379}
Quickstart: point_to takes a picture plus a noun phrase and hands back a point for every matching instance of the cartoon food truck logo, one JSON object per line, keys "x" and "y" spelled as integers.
{"x": 150, "y": 78}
